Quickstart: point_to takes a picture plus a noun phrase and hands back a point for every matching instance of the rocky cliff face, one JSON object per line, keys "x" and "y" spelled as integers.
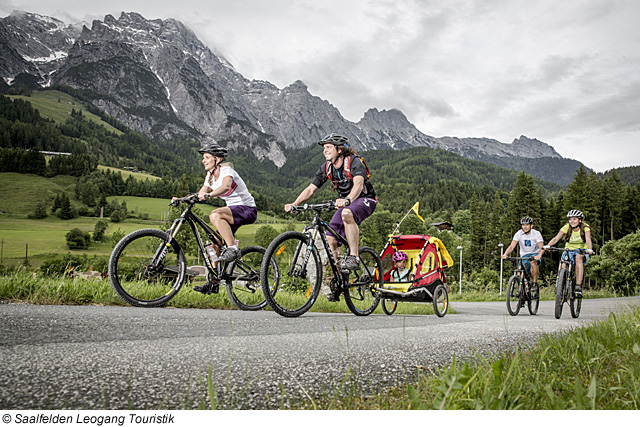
{"x": 157, "y": 77}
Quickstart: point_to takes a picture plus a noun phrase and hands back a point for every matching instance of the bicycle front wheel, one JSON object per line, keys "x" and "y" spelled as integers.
{"x": 575, "y": 304}
{"x": 389, "y": 306}
{"x": 146, "y": 269}
{"x": 513, "y": 296}
{"x": 533, "y": 303}
{"x": 291, "y": 274}
{"x": 362, "y": 295}
{"x": 561, "y": 284}
{"x": 243, "y": 285}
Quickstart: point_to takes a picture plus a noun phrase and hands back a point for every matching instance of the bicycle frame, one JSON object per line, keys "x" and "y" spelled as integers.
{"x": 189, "y": 217}
{"x": 318, "y": 225}
{"x": 522, "y": 273}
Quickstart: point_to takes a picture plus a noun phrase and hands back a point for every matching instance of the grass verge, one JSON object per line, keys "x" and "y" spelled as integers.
{"x": 594, "y": 367}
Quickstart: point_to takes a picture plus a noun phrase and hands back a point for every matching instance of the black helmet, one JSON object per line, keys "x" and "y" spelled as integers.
{"x": 335, "y": 139}
{"x": 526, "y": 220}
{"x": 575, "y": 213}
{"x": 214, "y": 150}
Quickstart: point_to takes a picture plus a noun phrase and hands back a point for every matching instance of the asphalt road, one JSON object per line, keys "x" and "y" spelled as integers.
{"x": 90, "y": 357}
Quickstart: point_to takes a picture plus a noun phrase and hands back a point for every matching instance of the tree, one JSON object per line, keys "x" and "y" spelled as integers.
{"x": 578, "y": 192}
{"x": 99, "y": 230}
{"x": 66, "y": 212}
{"x": 526, "y": 200}
{"x": 615, "y": 197}
{"x": 116, "y": 216}
{"x": 40, "y": 211}
{"x": 265, "y": 235}
{"x": 78, "y": 239}
{"x": 618, "y": 264}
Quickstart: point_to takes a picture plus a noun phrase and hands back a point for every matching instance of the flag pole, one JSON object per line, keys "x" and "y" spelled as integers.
{"x": 413, "y": 208}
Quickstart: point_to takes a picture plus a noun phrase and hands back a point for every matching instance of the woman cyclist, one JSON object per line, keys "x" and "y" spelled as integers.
{"x": 577, "y": 235}
{"x": 224, "y": 182}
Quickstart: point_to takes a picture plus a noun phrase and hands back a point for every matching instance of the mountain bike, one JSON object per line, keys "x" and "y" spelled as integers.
{"x": 565, "y": 283}
{"x": 291, "y": 271}
{"x": 148, "y": 267}
{"x": 519, "y": 289}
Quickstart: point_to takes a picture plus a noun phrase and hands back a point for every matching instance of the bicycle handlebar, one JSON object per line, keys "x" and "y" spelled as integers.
{"x": 553, "y": 248}
{"x": 191, "y": 199}
{"x": 326, "y": 206}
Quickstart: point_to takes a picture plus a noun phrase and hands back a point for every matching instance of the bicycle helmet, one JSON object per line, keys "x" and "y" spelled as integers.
{"x": 335, "y": 139}
{"x": 214, "y": 150}
{"x": 526, "y": 220}
{"x": 575, "y": 213}
{"x": 399, "y": 256}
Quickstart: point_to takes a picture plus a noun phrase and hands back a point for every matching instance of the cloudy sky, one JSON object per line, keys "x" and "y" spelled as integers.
{"x": 564, "y": 72}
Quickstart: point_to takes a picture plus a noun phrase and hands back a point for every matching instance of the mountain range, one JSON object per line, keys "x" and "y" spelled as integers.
{"x": 157, "y": 77}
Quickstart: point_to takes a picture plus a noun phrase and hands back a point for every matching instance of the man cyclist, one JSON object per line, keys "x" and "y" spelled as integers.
{"x": 577, "y": 235}
{"x": 530, "y": 241}
{"x": 356, "y": 197}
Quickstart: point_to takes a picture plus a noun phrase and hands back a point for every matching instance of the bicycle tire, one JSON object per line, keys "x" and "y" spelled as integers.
{"x": 561, "y": 283}
{"x": 130, "y": 275}
{"x": 513, "y": 295}
{"x": 389, "y": 306}
{"x": 534, "y": 303}
{"x": 362, "y": 295}
{"x": 290, "y": 291}
{"x": 243, "y": 286}
{"x": 575, "y": 304}
{"x": 440, "y": 300}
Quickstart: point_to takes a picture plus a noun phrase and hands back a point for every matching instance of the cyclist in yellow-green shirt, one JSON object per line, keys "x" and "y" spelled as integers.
{"x": 577, "y": 235}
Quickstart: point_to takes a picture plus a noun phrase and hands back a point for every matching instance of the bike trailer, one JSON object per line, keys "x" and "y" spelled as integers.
{"x": 427, "y": 259}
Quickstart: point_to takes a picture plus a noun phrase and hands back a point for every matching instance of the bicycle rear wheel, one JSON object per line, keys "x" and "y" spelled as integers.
{"x": 243, "y": 287}
{"x": 513, "y": 295}
{"x": 136, "y": 275}
{"x": 291, "y": 274}
{"x": 362, "y": 295}
{"x": 440, "y": 300}
{"x": 561, "y": 284}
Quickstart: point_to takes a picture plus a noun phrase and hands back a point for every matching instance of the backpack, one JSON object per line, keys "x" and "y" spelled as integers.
{"x": 347, "y": 170}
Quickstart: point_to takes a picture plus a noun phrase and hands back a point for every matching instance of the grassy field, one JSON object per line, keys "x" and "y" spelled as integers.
{"x": 126, "y": 174}
{"x": 41, "y": 239}
{"x": 20, "y": 193}
{"x": 56, "y": 105}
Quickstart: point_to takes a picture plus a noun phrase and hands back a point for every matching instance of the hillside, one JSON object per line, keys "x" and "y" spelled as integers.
{"x": 177, "y": 88}
{"x": 440, "y": 180}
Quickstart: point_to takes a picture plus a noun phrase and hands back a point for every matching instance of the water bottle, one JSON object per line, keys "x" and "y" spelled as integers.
{"x": 211, "y": 251}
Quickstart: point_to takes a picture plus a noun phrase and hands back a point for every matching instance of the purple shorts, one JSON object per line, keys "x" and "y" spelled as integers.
{"x": 242, "y": 215}
{"x": 361, "y": 208}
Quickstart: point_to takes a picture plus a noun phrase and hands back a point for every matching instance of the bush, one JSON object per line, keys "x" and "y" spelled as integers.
{"x": 265, "y": 234}
{"x": 78, "y": 239}
{"x": 116, "y": 236}
{"x": 116, "y": 216}
{"x": 98, "y": 231}
{"x": 485, "y": 280}
{"x": 618, "y": 264}
{"x": 69, "y": 263}
{"x": 39, "y": 212}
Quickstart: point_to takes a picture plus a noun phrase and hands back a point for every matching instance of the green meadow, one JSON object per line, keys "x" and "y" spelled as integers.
{"x": 126, "y": 174}
{"x": 57, "y": 106}
{"x": 20, "y": 193}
